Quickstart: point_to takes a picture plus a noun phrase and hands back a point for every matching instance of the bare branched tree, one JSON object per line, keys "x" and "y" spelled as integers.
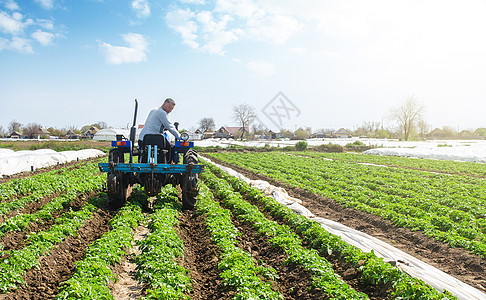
{"x": 407, "y": 115}
{"x": 207, "y": 124}
{"x": 423, "y": 128}
{"x": 14, "y": 126}
{"x": 372, "y": 127}
{"x": 244, "y": 115}
{"x": 31, "y": 129}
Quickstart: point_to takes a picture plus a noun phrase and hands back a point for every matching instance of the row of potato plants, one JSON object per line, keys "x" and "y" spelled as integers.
{"x": 447, "y": 166}
{"x": 439, "y": 205}
{"x": 52, "y": 183}
{"x": 15, "y": 263}
{"x": 84, "y": 181}
{"x": 157, "y": 265}
{"x": 373, "y": 270}
{"x": 27, "y": 185}
{"x": 94, "y": 272}
{"x": 238, "y": 269}
{"x": 283, "y": 238}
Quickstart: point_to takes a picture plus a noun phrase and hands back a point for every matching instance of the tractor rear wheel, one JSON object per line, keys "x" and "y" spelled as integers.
{"x": 117, "y": 183}
{"x": 189, "y": 182}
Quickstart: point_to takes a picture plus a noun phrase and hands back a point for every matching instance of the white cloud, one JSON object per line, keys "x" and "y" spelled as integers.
{"x": 297, "y": 51}
{"x": 245, "y": 9}
{"x": 11, "y": 5}
{"x": 277, "y": 29}
{"x": 13, "y": 24}
{"x": 46, "y": 4}
{"x": 141, "y": 8}
{"x": 44, "y": 38}
{"x": 181, "y": 21}
{"x": 214, "y": 32}
{"x": 328, "y": 54}
{"x": 200, "y": 2}
{"x": 16, "y": 44}
{"x": 136, "y": 52}
{"x": 261, "y": 68}
{"x": 230, "y": 21}
{"x": 16, "y": 26}
{"x": 46, "y": 24}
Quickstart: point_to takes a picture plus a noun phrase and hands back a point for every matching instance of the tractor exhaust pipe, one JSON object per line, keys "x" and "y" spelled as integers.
{"x": 133, "y": 130}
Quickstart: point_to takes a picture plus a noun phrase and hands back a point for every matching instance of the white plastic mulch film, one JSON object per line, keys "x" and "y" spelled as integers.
{"x": 407, "y": 263}
{"x": 13, "y": 162}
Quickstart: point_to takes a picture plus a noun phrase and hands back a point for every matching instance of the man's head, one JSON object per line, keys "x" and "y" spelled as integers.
{"x": 168, "y": 105}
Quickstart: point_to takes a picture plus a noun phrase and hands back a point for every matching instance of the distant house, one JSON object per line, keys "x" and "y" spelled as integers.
{"x": 318, "y": 135}
{"x": 39, "y": 133}
{"x": 208, "y": 134}
{"x": 72, "y": 135}
{"x": 342, "y": 133}
{"x": 15, "y": 135}
{"x": 466, "y": 134}
{"x": 222, "y": 133}
{"x": 236, "y": 132}
{"x": 437, "y": 133}
{"x": 90, "y": 133}
{"x": 193, "y": 135}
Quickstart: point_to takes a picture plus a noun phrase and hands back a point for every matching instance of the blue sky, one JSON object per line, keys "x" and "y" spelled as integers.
{"x": 336, "y": 63}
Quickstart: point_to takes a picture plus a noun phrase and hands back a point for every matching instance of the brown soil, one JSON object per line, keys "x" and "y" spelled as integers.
{"x": 457, "y": 262}
{"x": 29, "y": 207}
{"x": 16, "y": 239}
{"x": 43, "y": 282}
{"x": 127, "y": 287}
{"x": 293, "y": 281}
{"x": 201, "y": 259}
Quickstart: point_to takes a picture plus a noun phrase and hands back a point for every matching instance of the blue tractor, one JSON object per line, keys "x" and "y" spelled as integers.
{"x": 158, "y": 164}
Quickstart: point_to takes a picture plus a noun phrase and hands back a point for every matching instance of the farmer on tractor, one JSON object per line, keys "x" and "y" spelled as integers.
{"x": 158, "y": 120}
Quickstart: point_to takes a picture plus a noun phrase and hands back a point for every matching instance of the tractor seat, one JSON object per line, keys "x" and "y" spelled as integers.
{"x": 155, "y": 139}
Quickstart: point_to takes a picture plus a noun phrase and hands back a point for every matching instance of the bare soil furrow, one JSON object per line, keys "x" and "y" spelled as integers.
{"x": 17, "y": 239}
{"x": 127, "y": 286}
{"x": 293, "y": 282}
{"x": 43, "y": 282}
{"x": 201, "y": 259}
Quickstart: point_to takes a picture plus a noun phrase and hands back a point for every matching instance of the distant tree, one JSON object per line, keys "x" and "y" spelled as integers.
{"x": 371, "y": 128}
{"x": 101, "y": 125}
{"x": 383, "y": 134}
{"x": 449, "y": 131}
{"x": 407, "y": 116}
{"x": 3, "y": 132}
{"x": 302, "y": 134}
{"x": 14, "y": 126}
{"x": 286, "y": 133}
{"x": 56, "y": 132}
{"x": 72, "y": 128}
{"x": 259, "y": 129}
{"x": 423, "y": 128}
{"x": 207, "y": 124}
{"x": 31, "y": 129}
{"x": 244, "y": 115}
